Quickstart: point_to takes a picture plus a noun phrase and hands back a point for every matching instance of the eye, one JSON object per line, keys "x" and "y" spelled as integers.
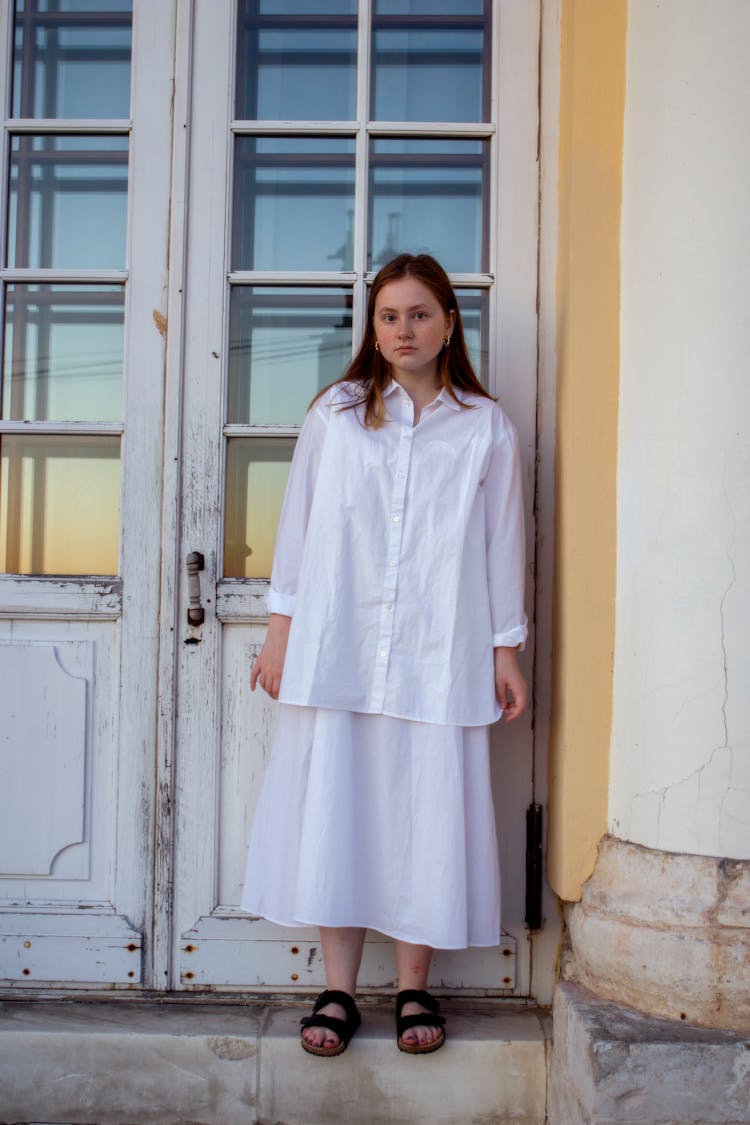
{"x": 420, "y": 315}
{"x": 388, "y": 317}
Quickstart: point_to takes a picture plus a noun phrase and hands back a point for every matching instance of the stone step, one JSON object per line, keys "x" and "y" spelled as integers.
{"x": 178, "y": 1063}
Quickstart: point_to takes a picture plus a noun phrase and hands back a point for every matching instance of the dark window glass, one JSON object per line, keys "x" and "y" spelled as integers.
{"x": 430, "y": 62}
{"x": 293, "y": 203}
{"x": 68, "y": 202}
{"x": 297, "y": 62}
{"x": 429, "y": 195}
{"x": 72, "y": 59}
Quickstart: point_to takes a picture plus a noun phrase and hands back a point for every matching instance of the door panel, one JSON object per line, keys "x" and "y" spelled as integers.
{"x": 247, "y": 295}
{"x": 83, "y": 269}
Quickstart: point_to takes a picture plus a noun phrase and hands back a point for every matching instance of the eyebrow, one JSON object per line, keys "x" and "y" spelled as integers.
{"x": 412, "y": 308}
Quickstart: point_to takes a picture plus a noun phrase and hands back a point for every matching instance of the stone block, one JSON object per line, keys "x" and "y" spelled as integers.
{"x": 612, "y": 1065}
{"x": 491, "y": 1070}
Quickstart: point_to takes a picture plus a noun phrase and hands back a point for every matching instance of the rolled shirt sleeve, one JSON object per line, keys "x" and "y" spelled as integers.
{"x": 295, "y": 513}
{"x": 505, "y": 537}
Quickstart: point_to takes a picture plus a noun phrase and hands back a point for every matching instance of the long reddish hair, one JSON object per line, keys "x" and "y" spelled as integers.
{"x": 373, "y": 373}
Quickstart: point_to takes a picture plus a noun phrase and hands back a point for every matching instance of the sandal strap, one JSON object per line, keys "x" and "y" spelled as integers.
{"x": 419, "y": 1019}
{"x": 417, "y": 996}
{"x": 343, "y": 1028}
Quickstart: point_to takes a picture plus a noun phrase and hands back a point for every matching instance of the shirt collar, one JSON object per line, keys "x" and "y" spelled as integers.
{"x": 441, "y": 396}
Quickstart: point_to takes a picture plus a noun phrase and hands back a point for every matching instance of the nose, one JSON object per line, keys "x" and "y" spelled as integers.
{"x": 404, "y": 329}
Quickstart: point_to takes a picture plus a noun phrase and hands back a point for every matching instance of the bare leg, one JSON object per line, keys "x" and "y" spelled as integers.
{"x": 413, "y": 965}
{"x": 342, "y": 954}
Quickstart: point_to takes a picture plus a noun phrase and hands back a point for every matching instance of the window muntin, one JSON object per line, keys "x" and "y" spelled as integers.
{"x": 63, "y": 350}
{"x": 68, "y": 202}
{"x": 59, "y": 504}
{"x": 297, "y": 62}
{"x": 63, "y": 353}
{"x": 72, "y": 60}
{"x": 429, "y": 195}
{"x": 285, "y": 344}
{"x": 293, "y": 203}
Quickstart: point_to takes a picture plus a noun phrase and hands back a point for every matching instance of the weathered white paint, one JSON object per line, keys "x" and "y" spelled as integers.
{"x": 95, "y": 902}
{"x": 42, "y": 753}
{"x": 680, "y": 759}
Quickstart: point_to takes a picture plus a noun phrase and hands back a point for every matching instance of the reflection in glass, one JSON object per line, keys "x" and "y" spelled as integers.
{"x": 284, "y": 346}
{"x": 293, "y": 203}
{"x": 430, "y": 62}
{"x": 257, "y": 471}
{"x": 59, "y": 504}
{"x": 72, "y": 59}
{"x": 296, "y": 66}
{"x": 421, "y": 8}
{"x": 429, "y": 195}
{"x": 68, "y": 202}
{"x": 63, "y": 353}
{"x": 473, "y": 306}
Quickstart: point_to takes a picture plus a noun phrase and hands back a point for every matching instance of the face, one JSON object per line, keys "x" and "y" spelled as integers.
{"x": 410, "y": 326}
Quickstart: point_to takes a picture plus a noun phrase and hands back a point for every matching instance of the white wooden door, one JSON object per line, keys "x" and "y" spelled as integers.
{"x": 85, "y": 208}
{"x": 321, "y": 139}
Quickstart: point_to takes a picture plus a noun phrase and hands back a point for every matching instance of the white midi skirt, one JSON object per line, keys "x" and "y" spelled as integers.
{"x": 368, "y": 820}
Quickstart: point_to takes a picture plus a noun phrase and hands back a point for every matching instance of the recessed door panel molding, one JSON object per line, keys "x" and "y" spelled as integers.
{"x": 43, "y": 750}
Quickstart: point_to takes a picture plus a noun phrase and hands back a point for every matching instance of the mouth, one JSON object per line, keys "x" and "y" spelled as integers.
{"x": 405, "y": 348}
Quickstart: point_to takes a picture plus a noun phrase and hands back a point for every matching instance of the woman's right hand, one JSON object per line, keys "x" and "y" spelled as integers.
{"x": 269, "y": 666}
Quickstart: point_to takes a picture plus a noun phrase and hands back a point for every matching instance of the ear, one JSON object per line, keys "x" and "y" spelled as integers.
{"x": 450, "y": 320}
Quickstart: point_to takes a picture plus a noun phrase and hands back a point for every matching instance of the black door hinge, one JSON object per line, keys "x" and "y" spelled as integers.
{"x": 534, "y": 867}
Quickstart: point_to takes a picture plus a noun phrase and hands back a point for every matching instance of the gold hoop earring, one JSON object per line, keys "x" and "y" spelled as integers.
{"x": 447, "y": 342}
{"x": 377, "y": 346}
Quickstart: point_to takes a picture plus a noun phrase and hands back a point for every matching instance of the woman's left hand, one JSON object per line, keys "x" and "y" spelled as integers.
{"x": 510, "y": 686}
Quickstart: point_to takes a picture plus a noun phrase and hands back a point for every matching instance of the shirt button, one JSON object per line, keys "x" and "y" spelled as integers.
{"x": 400, "y": 475}
{"x": 393, "y": 562}
{"x": 397, "y": 519}
{"x": 382, "y": 652}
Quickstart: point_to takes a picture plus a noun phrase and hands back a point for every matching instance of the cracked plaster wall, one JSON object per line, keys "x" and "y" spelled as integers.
{"x": 680, "y": 759}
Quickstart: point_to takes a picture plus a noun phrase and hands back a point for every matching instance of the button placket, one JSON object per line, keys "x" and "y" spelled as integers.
{"x": 393, "y": 557}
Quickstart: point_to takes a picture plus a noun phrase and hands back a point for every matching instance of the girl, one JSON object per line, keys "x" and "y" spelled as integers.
{"x": 396, "y": 610}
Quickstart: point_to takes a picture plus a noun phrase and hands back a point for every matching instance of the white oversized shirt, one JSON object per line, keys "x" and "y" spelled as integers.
{"x": 400, "y": 558}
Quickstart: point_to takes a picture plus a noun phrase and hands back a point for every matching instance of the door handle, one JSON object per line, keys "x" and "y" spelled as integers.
{"x": 195, "y": 563}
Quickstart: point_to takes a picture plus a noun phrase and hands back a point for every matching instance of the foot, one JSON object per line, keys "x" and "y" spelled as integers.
{"x": 334, "y": 1020}
{"x": 419, "y": 1034}
{"x": 323, "y": 1036}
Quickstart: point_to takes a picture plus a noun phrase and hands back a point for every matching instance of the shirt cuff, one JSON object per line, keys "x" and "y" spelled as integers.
{"x": 514, "y": 638}
{"x": 276, "y": 602}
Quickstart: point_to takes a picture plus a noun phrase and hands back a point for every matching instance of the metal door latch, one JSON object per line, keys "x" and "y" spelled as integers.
{"x": 195, "y": 564}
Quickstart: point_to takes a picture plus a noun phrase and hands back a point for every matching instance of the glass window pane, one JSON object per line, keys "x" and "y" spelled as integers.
{"x": 430, "y": 62}
{"x": 293, "y": 203}
{"x": 63, "y": 353}
{"x": 285, "y": 344}
{"x": 297, "y": 65}
{"x": 59, "y": 504}
{"x": 72, "y": 60}
{"x": 473, "y": 306}
{"x": 429, "y": 196}
{"x": 423, "y": 8}
{"x": 257, "y": 471}
{"x": 68, "y": 202}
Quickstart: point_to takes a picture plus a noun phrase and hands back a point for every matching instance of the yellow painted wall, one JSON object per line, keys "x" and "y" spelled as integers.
{"x": 592, "y": 103}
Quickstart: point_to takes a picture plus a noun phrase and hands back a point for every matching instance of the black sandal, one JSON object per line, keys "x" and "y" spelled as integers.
{"x": 343, "y": 1028}
{"x": 430, "y": 1018}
